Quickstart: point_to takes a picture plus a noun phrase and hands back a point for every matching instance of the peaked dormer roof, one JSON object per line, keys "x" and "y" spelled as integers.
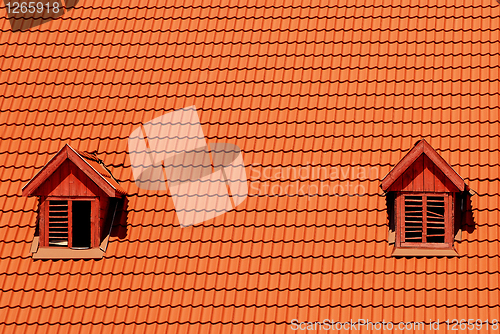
{"x": 88, "y": 163}
{"x": 422, "y": 147}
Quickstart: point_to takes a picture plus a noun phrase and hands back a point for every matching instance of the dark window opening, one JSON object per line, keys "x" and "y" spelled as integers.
{"x": 58, "y": 223}
{"x": 81, "y": 224}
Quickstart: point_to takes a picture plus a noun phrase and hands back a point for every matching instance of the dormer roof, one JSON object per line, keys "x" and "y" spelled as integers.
{"x": 92, "y": 166}
{"x": 423, "y": 148}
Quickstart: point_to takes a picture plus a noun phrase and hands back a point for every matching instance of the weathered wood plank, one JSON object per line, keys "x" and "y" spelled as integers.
{"x": 95, "y": 223}
{"x": 399, "y": 217}
{"x": 64, "y": 186}
{"x": 407, "y": 179}
{"x": 46, "y": 171}
{"x": 418, "y": 174}
{"x": 70, "y": 224}
{"x": 402, "y": 166}
{"x": 44, "y": 222}
{"x": 439, "y": 181}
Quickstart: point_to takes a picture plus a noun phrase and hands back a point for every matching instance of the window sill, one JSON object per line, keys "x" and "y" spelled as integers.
{"x": 424, "y": 252}
{"x": 56, "y": 253}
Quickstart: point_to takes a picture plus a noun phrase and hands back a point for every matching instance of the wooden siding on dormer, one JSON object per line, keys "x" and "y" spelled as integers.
{"x": 69, "y": 180}
{"x": 423, "y": 176}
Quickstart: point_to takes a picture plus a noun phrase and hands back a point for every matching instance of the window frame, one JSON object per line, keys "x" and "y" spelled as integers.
{"x": 449, "y": 221}
{"x": 94, "y": 221}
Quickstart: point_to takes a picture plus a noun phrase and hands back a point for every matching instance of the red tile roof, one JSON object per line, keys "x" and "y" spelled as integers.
{"x": 316, "y": 94}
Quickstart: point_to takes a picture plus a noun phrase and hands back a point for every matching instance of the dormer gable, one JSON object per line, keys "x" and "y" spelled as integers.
{"x": 423, "y": 170}
{"x": 72, "y": 173}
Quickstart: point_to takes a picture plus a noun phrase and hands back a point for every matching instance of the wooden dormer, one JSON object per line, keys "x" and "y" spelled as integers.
{"x": 425, "y": 203}
{"x": 77, "y": 197}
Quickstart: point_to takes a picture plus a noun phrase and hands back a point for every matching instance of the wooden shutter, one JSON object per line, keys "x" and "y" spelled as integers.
{"x": 413, "y": 218}
{"x": 59, "y": 223}
{"x": 435, "y": 219}
{"x": 424, "y": 221}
